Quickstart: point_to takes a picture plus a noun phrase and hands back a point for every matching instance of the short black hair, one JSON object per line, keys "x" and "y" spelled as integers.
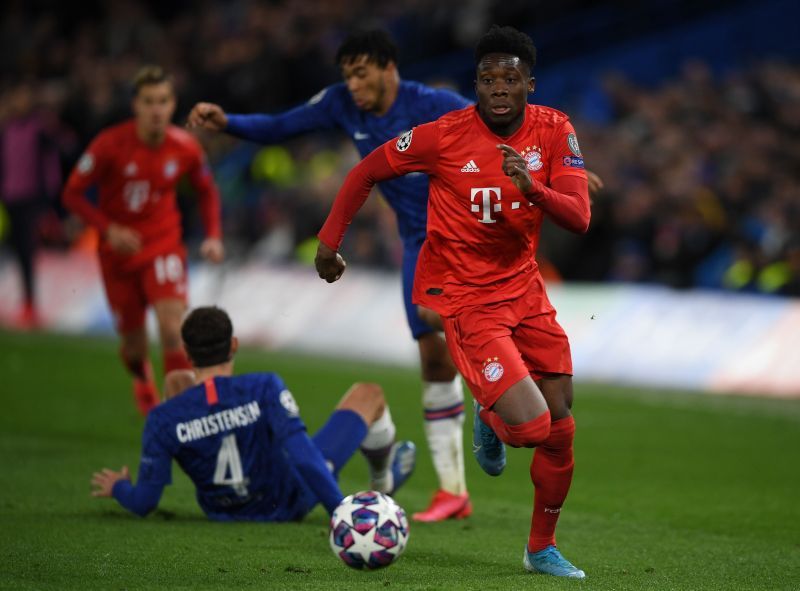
{"x": 207, "y": 332}
{"x": 376, "y": 44}
{"x": 506, "y": 40}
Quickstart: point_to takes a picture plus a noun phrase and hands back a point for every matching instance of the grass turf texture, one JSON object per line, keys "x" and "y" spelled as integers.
{"x": 671, "y": 491}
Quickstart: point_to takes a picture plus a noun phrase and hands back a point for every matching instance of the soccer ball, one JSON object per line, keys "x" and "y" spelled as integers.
{"x": 368, "y": 530}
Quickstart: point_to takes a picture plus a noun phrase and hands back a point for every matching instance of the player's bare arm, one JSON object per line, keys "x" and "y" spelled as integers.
{"x": 123, "y": 239}
{"x": 515, "y": 167}
{"x": 329, "y": 263}
{"x": 212, "y": 250}
{"x": 105, "y": 480}
{"x": 208, "y": 116}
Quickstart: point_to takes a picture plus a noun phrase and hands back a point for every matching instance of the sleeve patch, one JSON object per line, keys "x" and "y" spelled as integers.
{"x": 572, "y": 142}
{"x": 318, "y": 97}
{"x": 288, "y": 402}
{"x": 404, "y": 141}
{"x": 86, "y": 164}
{"x": 573, "y": 162}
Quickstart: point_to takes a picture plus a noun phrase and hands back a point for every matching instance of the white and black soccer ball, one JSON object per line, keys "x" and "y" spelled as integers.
{"x": 368, "y": 530}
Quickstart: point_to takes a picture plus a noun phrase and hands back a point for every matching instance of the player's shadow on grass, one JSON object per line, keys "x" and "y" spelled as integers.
{"x": 157, "y": 516}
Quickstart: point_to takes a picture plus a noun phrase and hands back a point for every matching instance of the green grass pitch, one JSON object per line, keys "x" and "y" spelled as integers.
{"x": 671, "y": 491}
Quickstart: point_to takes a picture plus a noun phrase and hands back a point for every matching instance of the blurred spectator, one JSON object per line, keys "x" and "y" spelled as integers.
{"x": 702, "y": 181}
{"x": 30, "y": 177}
{"x": 702, "y": 173}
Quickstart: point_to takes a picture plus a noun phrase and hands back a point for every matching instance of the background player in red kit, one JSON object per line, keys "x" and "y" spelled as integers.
{"x": 136, "y": 166}
{"x": 495, "y": 171}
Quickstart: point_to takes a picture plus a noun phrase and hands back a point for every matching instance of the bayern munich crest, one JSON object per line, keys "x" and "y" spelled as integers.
{"x": 533, "y": 157}
{"x": 492, "y": 369}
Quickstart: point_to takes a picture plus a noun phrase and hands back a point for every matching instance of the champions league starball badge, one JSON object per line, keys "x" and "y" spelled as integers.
{"x": 404, "y": 141}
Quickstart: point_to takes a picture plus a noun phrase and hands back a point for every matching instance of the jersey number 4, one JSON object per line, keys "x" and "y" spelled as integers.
{"x": 229, "y": 467}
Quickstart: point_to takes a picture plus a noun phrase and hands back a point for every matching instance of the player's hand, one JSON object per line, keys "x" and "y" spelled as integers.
{"x": 329, "y": 263}
{"x": 207, "y": 116}
{"x": 212, "y": 250}
{"x": 595, "y": 182}
{"x": 104, "y": 481}
{"x": 123, "y": 240}
{"x": 514, "y": 166}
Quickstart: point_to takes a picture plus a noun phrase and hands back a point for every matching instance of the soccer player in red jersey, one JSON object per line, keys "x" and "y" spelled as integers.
{"x": 136, "y": 166}
{"x": 496, "y": 170}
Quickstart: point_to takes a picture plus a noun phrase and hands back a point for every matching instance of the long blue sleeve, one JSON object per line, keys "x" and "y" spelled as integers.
{"x": 307, "y": 460}
{"x": 140, "y": 499}
{"x": 314, "y": 115}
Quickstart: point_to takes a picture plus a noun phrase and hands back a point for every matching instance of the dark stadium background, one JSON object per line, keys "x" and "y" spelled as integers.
{"x": 687, "y": 110}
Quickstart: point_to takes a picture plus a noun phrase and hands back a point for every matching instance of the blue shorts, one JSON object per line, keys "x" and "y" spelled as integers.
{"x": 411, "y": 249}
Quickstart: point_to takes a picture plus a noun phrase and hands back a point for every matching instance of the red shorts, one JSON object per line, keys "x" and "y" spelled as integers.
{"x": 131, "y": 291}
{"x": 494, "y": 346}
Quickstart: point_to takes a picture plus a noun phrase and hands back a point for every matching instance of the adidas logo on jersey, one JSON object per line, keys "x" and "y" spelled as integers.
{"x": 470, "y": 167}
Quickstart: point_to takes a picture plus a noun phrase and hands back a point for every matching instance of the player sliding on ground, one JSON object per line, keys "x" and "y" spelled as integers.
{"x": 495, "y": 171}
{"x": 242, "y": 442}
{"x": 136, "y": 167}
{"x": 372, "y": 106}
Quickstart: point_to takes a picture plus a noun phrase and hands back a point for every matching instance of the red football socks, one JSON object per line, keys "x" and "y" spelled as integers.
{"x": 529, "y": 434}
{"x": 175, "y": 360}
{"x": 551, "y": 474}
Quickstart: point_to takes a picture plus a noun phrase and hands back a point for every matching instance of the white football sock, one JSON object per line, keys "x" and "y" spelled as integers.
{"x": 377, "y": 448}
{"x": 444, "y": 420}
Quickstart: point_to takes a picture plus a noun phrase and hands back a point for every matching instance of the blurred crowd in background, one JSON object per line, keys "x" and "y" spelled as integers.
{"x": 701, "y": 172}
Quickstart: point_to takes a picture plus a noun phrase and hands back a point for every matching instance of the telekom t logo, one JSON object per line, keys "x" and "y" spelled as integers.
{"x": 484, "y": 204}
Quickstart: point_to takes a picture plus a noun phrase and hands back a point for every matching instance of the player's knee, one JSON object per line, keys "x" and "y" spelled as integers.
{"x": 177, "y": 381}
{"x": 133, "y": 347}
{"x": 170, "y": 336}
{"x": 366, "y": 399}
{"x": 435, "y": 362}
{"x": 437, "y": 370}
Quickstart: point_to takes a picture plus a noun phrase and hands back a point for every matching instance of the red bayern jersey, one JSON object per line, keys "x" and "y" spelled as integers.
{"x": 136, "y": 185}
{"x": 482, "y": 231}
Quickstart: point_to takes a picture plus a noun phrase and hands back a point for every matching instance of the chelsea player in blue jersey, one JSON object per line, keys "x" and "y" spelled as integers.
{"x": 373, "y": 105}
{"x": 241, "y": 440}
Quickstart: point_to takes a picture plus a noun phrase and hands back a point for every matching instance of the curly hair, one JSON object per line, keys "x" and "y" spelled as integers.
{"x": 506, "y": 40}
{"x": 375, "y": 44}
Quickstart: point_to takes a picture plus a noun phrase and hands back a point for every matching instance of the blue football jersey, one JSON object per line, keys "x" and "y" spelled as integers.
{"x": 229, "y": 437}
{"x": 333, "y": 108}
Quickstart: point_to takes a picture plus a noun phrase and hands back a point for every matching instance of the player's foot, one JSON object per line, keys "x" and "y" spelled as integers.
{"x": 404, "y": 461}
{"x": 550, "y": 562}
{"x": 486, "y": 446}
{"x": 445, "y": 505}
{"x": 145, "y": 393}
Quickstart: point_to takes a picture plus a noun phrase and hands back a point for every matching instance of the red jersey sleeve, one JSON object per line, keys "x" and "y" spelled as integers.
{"x": 566, "y": 201}
{"x": 414, "y": 151}
{"x": 207, "y": 193}
{"x": 354, "y": 192}
{"x": 565, "y": 153}
{"x": 88, "y": 172}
